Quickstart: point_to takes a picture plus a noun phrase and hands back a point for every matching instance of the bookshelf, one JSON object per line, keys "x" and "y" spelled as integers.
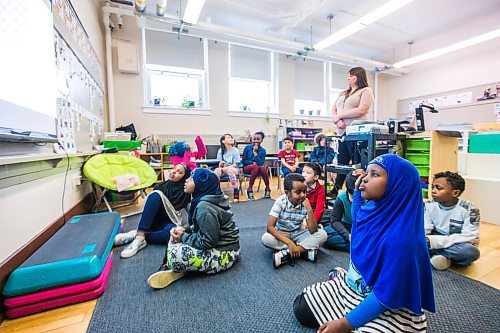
{"x": 164, "y": 164}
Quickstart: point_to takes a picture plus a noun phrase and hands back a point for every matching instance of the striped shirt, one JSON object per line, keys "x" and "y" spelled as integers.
{"x": 289, "y": 217}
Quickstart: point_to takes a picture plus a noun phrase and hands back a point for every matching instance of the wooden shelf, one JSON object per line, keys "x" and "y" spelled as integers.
{"x": 165, "y": 160}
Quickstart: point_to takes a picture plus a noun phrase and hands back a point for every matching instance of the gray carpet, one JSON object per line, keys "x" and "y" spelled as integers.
{"x": 253, "y": 296}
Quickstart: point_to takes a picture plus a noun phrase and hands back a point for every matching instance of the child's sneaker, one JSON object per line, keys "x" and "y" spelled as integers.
{"x": 138, "y": 244}
{"x": 312, "y": 255}
{"x": 440, "y": 262}
{"x": 250, "y": 195}
{"x": 124, "y": 238}
{"x": 236, "y": 196}
{"x": 162, "y": 279}
{"x": 267, "y": 193}
{"x": 281, "y": 257}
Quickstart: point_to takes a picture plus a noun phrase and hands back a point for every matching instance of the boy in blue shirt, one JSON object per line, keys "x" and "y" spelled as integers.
{"x": 284, "y": 232}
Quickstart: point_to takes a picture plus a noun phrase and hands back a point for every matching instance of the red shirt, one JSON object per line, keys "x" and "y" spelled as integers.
{"x": 289, "y": 156}
{"x": 316, "y": 198}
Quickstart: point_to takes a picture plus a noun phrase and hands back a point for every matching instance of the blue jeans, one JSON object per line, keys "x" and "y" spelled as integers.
{"x": 155, "y": 222}
{"x": 286, "y": 171}
{"x": 461, "y": 253}
{"x": 335, "y": 241}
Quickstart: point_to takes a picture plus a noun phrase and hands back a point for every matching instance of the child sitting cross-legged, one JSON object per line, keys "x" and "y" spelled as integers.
{"x": 210, "y": 243}
{"x": 284, "y": 232}
{"x": 451, "y": 223}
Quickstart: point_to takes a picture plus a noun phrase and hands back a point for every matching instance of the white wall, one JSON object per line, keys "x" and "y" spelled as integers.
{"x": 466, "y": 68}
{"x": 128, "y": 90}
{"x": 27, "y": 209}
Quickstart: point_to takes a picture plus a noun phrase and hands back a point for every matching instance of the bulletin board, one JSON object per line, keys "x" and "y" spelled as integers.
{"x": 80, "y": 94}
{"x": 467, "y": 105}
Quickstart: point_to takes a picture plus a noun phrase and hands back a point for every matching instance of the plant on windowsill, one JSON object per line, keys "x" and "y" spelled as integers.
{"x": 187, "y": 104}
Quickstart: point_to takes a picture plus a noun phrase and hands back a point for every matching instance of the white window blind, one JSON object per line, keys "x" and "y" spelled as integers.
{"x": 249, "y": 63}
{"x": 339, "y": 74}
{"x": 309, "y": 80}
{"x": 163, "y": 48}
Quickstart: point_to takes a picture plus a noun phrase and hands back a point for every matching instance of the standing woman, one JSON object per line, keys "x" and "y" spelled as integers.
{"x": 352, "y": 104}
{"x": 254, "y": 157}
{"x": 229, "y": 157}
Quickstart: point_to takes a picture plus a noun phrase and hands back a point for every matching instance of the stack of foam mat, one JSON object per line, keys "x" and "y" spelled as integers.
{"x": 72, "y": 266}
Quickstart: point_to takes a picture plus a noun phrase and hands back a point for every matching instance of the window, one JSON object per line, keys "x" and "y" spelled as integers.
{"x": 310, "y": 88}
{"x": 251, "y": 80}
{"x": 338, "y": 81}
{"x": 175, "y": 70}
{"x": 175, "y": 88}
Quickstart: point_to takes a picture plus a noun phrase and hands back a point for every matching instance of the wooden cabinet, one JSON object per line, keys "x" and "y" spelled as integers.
{"x": 161, "y": 162}
{"x": 431, "y": 152}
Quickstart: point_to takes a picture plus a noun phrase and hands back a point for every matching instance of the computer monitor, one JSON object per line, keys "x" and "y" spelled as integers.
{"x": 212, "y": 151}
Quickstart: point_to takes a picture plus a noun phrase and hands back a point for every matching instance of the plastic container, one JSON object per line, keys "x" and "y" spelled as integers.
{"x": 418, "y": 158}
{"x": 301, "y": 146}
{"x": 425, "y": 193}
{"x": 117, "y": 136}
{"x": 122, "y": 145}
{"x": 418, "y": 145}
{"x": 423, "y": 171}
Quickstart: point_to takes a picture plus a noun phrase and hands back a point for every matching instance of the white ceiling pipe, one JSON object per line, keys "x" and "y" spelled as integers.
{"x": 107, "y": 11}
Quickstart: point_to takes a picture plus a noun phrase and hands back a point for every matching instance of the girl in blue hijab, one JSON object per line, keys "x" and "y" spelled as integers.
{"x": 210, "y": 243}
{"x": 388, "y": 283}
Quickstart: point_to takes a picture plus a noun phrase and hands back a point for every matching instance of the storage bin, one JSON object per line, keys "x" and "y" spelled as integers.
{"x": 418, "y": 158}
{"x": 484, "y": 143}
{"x": 423, "y": 171}
{"x": 301, "y": 146}
{"x": 418, "y": 145}
{"x": 113, "y": 196}
{"x": 425, "y": 193}
{"x": 122, "y": 145}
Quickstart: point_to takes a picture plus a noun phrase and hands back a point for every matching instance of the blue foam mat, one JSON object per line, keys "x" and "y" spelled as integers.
{"x": 75, "y": 253}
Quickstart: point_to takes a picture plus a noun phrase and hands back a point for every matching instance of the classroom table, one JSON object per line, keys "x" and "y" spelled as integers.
{"x": 211, "y": 163}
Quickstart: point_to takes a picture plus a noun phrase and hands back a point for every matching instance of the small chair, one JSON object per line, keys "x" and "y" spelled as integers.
{"x": 102, "y": 168}
{"x": 245, "y": 176}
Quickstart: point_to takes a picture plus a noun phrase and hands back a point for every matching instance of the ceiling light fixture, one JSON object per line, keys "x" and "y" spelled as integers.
{"x": 193, "y": 11}
{"x": 450, "y": 48}
{"x": 362, "y": 23}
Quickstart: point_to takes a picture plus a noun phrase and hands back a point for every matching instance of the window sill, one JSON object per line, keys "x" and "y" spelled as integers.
{"x": 176, "y": 110}
{"x": 307, "y": 117}
{"x": 249, "y": 114}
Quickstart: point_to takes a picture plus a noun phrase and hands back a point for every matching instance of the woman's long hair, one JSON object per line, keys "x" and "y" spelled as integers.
{"x": 361, "y": 82}
{"x": 222, "y": 145}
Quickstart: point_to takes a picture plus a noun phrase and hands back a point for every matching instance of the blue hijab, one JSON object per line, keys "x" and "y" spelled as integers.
{"x": 205, "y": 183}
{"x": 388, "y": 240}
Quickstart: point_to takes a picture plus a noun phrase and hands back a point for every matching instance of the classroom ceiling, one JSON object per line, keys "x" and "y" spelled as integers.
{"x": 426, "y": 24}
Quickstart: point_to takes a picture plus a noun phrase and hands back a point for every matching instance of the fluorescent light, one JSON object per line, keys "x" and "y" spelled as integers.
{"x": 361, "y": 23}
{"x": 193, "y": 11}
{"x": 450, "y": 48}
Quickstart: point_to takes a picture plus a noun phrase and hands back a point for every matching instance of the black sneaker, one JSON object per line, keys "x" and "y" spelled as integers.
{"x": 312, "y": 255}
{"x": 280, "y": 257}
{"x": 250, "y": 195}
{"x": 267, "y": 193}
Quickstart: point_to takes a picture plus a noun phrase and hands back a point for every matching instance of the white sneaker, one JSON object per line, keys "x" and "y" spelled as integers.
{"x": 162, "y": 279}
{"x": 138, "y": 244}
{"x": 280, "y": 257}
{"x": 124, "y": 238}
{"x": 440, "y": 262}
